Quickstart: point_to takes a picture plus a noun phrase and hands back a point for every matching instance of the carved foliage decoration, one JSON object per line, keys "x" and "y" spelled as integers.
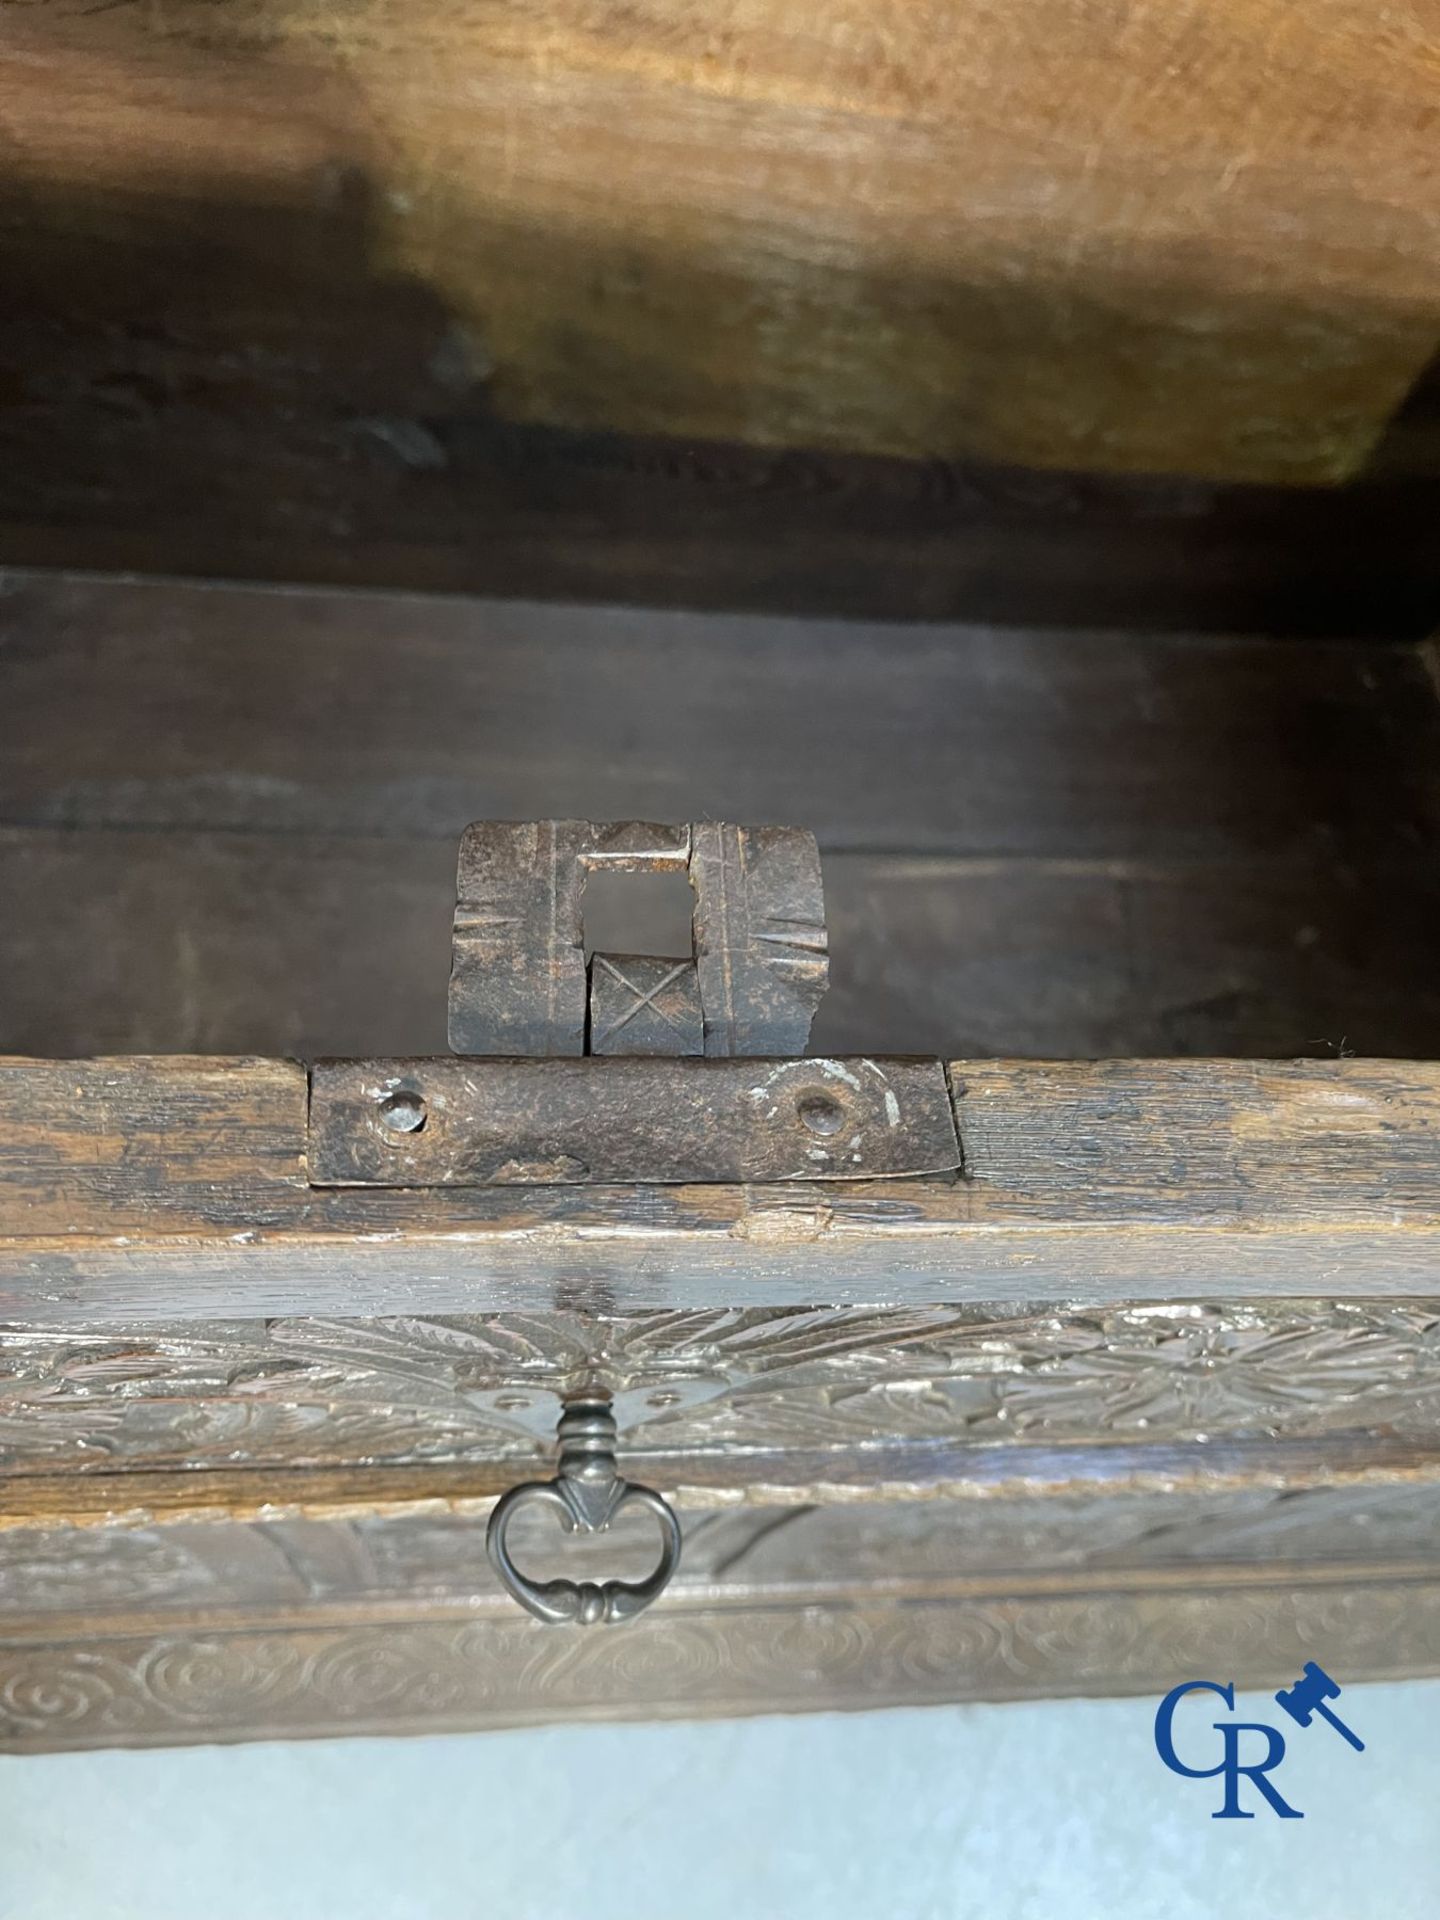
{"x": 312, "y": 1390}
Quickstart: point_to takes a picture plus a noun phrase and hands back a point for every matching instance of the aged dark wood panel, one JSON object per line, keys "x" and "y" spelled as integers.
{"x": 1229, "y": 1140}
{"x": 1307, "y": 1178}
{"x": 206, "y": 1139}
{"x": 227, "y": 817}
{"x": 168, "y": 706}
{"x": 536, "y": 513}
{"x": 281, "y": 944}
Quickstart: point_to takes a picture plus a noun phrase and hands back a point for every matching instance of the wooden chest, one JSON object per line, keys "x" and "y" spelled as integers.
{"x": 1151, "y": 1382}
{"x": 826, "y": 417}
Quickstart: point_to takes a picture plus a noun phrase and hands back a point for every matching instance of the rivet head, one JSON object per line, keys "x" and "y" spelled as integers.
{"x": 820, "y": 1112}
{"x": 402, "y": 1113}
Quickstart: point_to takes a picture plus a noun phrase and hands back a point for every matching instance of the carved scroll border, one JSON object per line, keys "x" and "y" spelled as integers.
{"x": 247, "y": 1682}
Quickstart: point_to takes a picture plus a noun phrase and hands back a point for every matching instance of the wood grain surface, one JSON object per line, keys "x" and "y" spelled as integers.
{"x": 433, "y": 1563}
{"x": 170, "y": 706}
{"x": 228, "y": 816}
{"x": 1356, "y": 1467}
{"x": 161, "y": 1189}
{"x": 1061, "y": 237}
{"x": 134, "y": 941}
{"x": 602, "y": 300}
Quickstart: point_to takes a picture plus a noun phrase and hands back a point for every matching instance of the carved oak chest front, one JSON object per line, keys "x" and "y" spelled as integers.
{"x": 873, "y": 1380}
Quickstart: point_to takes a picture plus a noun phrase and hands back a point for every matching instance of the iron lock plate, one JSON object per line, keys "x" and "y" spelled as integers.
{"x": 451, "y": 1122}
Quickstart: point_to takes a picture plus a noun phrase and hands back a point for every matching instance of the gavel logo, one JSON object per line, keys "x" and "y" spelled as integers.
{"x": 1307, "y": 1698}
{"x": 1241, "y": 1740}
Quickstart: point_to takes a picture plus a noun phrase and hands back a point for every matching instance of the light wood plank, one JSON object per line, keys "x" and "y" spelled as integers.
{"x": 593, "y": 302}
{"x": 1134, "y": 241}
{"x": 441, "y": 1491}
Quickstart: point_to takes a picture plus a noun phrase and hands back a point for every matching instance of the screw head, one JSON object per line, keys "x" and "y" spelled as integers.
{"x": 403, "y": 1112}
{"x": 820, "y": 1112}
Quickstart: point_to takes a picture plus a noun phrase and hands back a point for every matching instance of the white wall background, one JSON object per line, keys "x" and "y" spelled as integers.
{"x": 1010, "y": 1813}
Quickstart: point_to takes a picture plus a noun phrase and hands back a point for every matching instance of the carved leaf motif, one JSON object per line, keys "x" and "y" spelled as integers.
{"x": 312, "y": 1390}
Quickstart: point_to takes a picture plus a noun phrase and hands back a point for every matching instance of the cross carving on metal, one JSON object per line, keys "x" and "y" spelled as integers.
{"x": 654, "y": 1003}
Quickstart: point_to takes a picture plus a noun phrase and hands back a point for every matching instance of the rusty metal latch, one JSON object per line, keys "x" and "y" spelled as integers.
{"x": 628, "y": 1068}
{"x": 519, "y": 983}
